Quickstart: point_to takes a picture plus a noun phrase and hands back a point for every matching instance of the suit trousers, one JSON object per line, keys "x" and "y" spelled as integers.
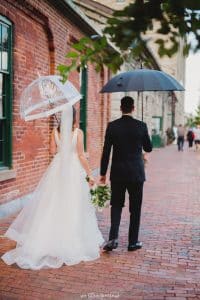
{"x": 135, "y": 190}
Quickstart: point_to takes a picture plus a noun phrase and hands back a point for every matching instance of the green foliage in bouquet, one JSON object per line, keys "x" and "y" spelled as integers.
{"x": 100, "y": 195}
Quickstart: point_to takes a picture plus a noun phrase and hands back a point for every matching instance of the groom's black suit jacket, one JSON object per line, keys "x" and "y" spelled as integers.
{"x": 127, "y": 136}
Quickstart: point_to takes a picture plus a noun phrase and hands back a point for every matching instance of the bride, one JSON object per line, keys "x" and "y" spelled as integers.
{"x": 58, "y": 226}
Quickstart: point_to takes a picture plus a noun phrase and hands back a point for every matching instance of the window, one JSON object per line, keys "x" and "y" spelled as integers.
{"x": 5, "y": 92}
{"x": 83, "y": 104}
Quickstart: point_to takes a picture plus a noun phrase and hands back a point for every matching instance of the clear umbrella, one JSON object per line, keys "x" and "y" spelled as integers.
{"x": 45, "y": 96}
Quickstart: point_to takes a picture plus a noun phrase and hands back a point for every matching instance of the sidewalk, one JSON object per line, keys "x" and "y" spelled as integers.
{"x": 168, "y": 265}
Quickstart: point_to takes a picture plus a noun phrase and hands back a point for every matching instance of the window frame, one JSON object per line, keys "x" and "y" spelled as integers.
{"x": 7, "y": 83}
{"x": 83, "y": 104}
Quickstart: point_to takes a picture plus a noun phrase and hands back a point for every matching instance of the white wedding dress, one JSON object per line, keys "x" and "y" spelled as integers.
{"x": 58, "y": 226}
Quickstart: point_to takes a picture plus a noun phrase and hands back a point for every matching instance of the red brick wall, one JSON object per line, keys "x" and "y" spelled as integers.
{"x": 98, "y": 116}
{"x": 40, "y": 44}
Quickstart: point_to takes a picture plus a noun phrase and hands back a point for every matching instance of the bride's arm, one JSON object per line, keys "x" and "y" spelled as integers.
{"x": 52, "y": 143}
{"x": 82, "y": 156}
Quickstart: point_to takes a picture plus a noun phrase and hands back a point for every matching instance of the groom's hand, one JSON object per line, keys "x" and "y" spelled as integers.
{"x": 102, "y": 179}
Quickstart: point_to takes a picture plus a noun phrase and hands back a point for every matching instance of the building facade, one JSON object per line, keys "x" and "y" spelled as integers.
{"x": 160, "y": 110}
{"x": 34, "y": 39}
{"x": 174, "y": 66}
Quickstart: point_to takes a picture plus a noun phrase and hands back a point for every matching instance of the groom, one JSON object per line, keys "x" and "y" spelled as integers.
{"x": 127, "y": 137}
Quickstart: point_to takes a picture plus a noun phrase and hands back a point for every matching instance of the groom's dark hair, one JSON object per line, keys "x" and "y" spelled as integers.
{"x": 127, "y": 104}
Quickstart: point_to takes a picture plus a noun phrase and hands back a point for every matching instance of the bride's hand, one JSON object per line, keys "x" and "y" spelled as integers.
{"x": 91, "y": 181}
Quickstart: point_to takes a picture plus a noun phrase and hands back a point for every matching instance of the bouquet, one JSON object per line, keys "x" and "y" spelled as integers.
{"x": 100, "y": 195}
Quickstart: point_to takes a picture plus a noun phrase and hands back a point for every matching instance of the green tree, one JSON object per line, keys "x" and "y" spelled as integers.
{"x": 127, "y": 28}
{"x": 197, "y": 116}
{"x": 190, "y": 121}
{"x": 95, "y": 51}
{"x": 173, "y": 18}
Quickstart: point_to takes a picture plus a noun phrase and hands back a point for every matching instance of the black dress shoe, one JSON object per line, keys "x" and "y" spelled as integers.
{"x": 112, "y": 244}
{"x": 135, "y": 246}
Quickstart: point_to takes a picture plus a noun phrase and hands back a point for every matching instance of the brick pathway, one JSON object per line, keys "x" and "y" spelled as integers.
{"x": 168, "y": 266}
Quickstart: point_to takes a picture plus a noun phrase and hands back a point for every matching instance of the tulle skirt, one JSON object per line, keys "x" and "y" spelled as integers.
{"x": 58, "y": 226}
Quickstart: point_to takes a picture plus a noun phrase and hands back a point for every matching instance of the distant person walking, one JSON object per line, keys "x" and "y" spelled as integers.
{"x": 197, "y": 137}
{"x": 175, "y": 129}
{"x": 180, "y": 137}
{"x": 190, "y": 137}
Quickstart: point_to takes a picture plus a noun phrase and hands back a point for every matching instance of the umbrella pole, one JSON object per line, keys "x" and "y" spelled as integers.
{"x": 142, "y": 106}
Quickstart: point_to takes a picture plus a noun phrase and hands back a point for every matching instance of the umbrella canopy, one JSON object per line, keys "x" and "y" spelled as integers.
{"x": 142, "y": 80}
{"x": 46, "y": 96}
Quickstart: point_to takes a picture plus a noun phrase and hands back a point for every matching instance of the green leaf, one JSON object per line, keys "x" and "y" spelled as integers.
{"x": 85, "y": 40}
{"x": 72, "y": 54}
{"x": 62, "y": 68}
{"x": 78, "y": 46}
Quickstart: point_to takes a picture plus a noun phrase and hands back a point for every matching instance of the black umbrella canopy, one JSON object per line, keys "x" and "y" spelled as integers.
{"x": 142, "y": 80}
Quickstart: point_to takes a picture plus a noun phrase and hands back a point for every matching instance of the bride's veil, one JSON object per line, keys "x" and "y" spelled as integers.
{"x": 66, "y": 142}
{"x": 66, "y": 130}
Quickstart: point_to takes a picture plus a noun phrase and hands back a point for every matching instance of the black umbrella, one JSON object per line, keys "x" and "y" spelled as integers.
{"x": 142, "y": 80}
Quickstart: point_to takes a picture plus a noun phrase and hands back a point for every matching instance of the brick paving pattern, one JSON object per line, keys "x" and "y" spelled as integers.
{"x": 168, "y": 265}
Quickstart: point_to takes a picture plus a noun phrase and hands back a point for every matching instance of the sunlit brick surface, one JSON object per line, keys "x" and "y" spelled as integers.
{"x": 168, "y": 266}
